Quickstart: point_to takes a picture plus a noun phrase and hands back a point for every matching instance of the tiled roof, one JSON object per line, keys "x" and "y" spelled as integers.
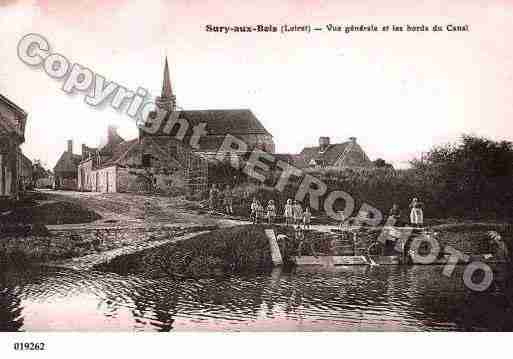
{"x": 292, "y": 159}
{"x": 331, "y": 154}
{"x": 7, "y": 127}
{"x": 113, "y": 142}
{"x": 222, "y": 122}
{"x": 68, "y": 162}
{"x": 118, "y": 151}
{"x": 11, "y": 104}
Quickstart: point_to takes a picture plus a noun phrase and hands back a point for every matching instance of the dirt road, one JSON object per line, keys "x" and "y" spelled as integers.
{"x": 130, "y": 209}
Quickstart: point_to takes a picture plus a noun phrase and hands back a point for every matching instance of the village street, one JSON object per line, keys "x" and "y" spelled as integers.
{"x": 129, "y": 223}
{"x": 128, "y": 210}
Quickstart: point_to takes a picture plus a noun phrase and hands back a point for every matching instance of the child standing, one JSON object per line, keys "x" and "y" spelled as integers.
{"x": 260, "y": 211}
{"x": 228, "y": 200}
{"x": 298, "y": 213}
{"x": 289, "y": 213}
{"x": 307, "y": 216}
{"x": 254, "y": 210}
{"x": 271, "y": 212}
{"x": 416, "y": 214}
{"x": 212, "y": 198}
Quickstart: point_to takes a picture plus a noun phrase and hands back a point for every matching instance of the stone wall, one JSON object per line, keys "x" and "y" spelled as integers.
{"x": 9, "y": 167}
{"x": 105, "y": 179}
{"x": 85, "y": 176}
{"x": 66, "y": 183}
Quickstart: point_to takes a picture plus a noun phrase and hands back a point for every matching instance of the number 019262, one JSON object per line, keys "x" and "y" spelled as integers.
{"x": 29, "y": 346}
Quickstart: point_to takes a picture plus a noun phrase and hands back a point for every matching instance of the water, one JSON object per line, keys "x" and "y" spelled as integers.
{"x": 383, "y": 298}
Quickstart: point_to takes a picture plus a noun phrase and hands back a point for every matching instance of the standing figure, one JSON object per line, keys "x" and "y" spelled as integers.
{"x": 212, "y": 198}
{"x": 416, "y": 213}
{"x": 395, "y": 214}
{"x": 307, "y": 216}
{"x": 260, "y": 211}
{"x": 301, "y": 240}
{"x": 254, "y": 210}
{"x": 289, "y": 213}
{"x": 228, "y": 200}
{"x": 271, "y": 212}
{"x": 342, "y": 219}
{"x": 298, "y": 213}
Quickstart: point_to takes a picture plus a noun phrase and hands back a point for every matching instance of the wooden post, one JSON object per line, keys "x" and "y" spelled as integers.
{"x": 275, "y": 249}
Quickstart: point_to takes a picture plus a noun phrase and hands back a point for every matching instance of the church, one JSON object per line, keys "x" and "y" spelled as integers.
{"x": 161, "y": 159}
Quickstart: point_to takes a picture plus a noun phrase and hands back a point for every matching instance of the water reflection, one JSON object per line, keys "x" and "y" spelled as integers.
{"x": 341, "y": 298}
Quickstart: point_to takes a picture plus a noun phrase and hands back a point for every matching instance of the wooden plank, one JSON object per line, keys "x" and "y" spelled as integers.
{"x": 349, "y": 260}
{"x": 330, "y": 260}
{"x": 386, "y": 260}
{"x": 275, "y": 249}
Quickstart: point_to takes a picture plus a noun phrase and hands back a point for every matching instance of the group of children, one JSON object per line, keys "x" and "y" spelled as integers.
{"x": 221, "y": 199}
{"x": 293, "y": 213}
{"x": 416, "y": 213}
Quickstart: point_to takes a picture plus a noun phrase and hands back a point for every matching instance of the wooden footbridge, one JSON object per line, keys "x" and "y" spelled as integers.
{"x": 347, "y": 249}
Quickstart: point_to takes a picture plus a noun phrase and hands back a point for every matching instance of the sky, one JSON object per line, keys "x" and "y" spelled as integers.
{"x": 398, "y": 93}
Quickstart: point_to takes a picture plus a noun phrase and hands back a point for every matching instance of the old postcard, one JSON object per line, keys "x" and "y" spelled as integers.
{"x": 293, "y": 166}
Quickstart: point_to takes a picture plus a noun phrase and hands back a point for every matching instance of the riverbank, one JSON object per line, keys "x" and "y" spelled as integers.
{"x": 237, "y": 249}
{"x": 134, "y": 221}
{"x": 49, "y": 226}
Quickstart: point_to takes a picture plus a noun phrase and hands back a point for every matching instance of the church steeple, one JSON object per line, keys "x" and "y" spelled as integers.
{"x": 166, "y": 101}
{"x": 167, "y": 91}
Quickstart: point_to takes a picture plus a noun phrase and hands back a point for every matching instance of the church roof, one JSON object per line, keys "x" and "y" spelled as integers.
{"x": 219, "y": 123}
{"x": 223, "y": 122}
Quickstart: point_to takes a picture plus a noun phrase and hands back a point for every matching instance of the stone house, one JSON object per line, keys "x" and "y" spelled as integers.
{"x": 65, "y": 171}
{"x": 140, "y": 165}
{"x": 12, "y": 135}
{"x": 336, "y": 155}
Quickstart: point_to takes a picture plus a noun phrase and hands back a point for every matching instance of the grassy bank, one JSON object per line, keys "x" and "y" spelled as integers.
{"x": 236, "y": 249}
{"x": 37, "y": 208}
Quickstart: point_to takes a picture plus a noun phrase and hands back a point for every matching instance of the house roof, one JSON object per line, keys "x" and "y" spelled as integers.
{"x": 114, "y": 141}
{"x": 26, "y": 161}
{"x": 7, "y": 127}
{"x": 328, "y": 157}
{"x": 118, "y": 151}
{"x": 13, "y": 106}
{"x": 292, "y": 159}
{"x": 68, "y": 162}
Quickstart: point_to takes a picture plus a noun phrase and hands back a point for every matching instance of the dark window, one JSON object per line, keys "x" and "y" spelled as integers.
{"x": 146, "y": 160}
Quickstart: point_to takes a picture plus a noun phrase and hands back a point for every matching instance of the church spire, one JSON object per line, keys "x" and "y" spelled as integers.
{"x": 167, "y": 91}
{"x": 166, "y": 100}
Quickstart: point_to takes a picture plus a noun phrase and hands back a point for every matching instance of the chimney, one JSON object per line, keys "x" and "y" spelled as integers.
{"x": 324, "y": 142}
{"x": 70, "y": 146}
{"x": 352, "y": 139}
{"x": 111, "y": 134}
{"x": 84, "y": 151}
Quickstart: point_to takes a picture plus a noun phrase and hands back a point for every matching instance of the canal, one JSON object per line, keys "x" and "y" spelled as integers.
{"x": 358, "y": 298}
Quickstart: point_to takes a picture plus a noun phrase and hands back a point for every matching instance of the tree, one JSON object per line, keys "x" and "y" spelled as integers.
{"x": 381, "y": 163}
{"x": 474, "y": 176}
{"x": 38, "y": 171}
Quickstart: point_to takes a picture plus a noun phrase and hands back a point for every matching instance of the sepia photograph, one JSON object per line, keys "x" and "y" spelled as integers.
{"x": 255, "y": 167}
